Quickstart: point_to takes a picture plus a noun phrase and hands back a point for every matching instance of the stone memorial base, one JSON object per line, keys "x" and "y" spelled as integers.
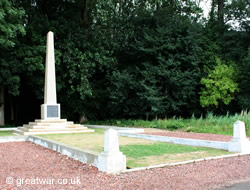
{"x": 51, "y": 127}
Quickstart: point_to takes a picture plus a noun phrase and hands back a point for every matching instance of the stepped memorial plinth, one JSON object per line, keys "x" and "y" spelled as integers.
{"x": 50, "y": 122}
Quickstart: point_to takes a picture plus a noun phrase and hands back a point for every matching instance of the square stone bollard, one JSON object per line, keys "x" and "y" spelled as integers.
{"x": 239, "y": 142}
{"x": 111, "y": 160}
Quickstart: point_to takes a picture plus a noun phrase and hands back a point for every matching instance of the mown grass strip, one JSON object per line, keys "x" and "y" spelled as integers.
{"x": 158, "y": 148}
{"x": 6, "y": 133}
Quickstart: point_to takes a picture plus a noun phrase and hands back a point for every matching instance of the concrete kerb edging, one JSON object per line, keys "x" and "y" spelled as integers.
{"x": 183, "y": 163}
{"x": 85, "y": 156}
{"x": 8, "y": 129}
{"x": 182, "y": 141}
{"x": 13, "y": 139}
{"x": 119, "y": 129}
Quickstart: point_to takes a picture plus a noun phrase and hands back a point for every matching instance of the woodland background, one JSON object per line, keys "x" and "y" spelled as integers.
{"x": 130, "y": 59}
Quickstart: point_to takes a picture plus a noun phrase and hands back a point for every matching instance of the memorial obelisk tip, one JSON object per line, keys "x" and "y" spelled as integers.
{"x": 50, "y": 109}
{"x": 50, "y": 76}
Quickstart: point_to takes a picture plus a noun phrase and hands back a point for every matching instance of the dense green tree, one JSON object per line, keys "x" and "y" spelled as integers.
{"x": 244, "y": 97}
{"x": 123, "y": 58}
{"x": 232, "y": 39}
{"x": 80, "y": 51}
{"x": 160, "y": 70}
{"x": 220, "y": 86}
{"x": 11, "y": 25}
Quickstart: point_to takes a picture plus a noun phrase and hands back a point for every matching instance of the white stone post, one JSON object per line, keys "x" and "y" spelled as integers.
{"x": 239, "y": 142}
{"x": 50, "y": 109}
{"x": 111, "y": 160}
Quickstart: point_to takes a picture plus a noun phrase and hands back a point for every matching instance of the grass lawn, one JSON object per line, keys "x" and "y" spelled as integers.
{"x": 6, "y": 133}
{"x": 162, "y": 153}
{"x": 139, "y": 152}
{"x": 91, "y": 141}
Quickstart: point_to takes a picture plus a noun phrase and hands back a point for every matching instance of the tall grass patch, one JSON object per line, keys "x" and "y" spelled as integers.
{"x": 210, "y": 124}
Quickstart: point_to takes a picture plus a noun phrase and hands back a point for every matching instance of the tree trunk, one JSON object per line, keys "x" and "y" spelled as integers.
{"x": 85, "y": 13}
{"x": 221, "y": 11}
{"x": 12, "y": 109}
{"x": 1, "y": 105}
{"x": 82, "y": 118}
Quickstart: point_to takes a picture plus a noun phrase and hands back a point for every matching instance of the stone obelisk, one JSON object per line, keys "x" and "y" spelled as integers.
{"x": 50, "y": 110}
{"x": 50, "y": 122}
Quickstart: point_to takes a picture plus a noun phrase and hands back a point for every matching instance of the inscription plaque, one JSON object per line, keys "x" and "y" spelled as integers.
{"x": 52, "y": 111}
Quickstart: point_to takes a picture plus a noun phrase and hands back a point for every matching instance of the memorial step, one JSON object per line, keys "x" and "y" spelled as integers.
{"x": 55, "y": 127}
{"x": 18, "y": 132}
{"x": 49, "y": 124}
{"x": 51, "y": 121}
{"x": 52, "y": 129}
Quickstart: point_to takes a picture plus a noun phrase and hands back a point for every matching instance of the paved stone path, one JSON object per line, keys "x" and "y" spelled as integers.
{"x": 239, "y": 186}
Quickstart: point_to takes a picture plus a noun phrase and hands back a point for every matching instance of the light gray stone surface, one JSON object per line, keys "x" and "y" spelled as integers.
{"x": 119, "y": 129}
{"x": 239, "y": 186}
{"x": 239, "y": 142}
{"x": 182, "y": 141}
{"x": 13, "y": 139}
{"x": 111, "y": 143}
{"x": 50, "y": 73}
{"x": 111, "y": 160}
{"x": 56, "y": 126}
{"x": 81, "y": 155}
{"x": 8, "y": 129}
{"x": 50, "y": 98}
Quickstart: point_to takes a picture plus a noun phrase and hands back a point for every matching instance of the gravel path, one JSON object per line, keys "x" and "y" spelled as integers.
{"x": 33, "y": 163}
